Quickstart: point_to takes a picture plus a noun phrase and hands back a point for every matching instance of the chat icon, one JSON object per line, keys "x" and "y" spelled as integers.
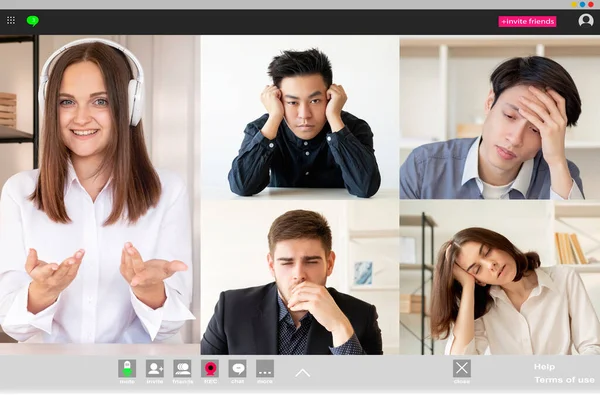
{"x": 237, "y": 368}
{"x": 33, "y": 20}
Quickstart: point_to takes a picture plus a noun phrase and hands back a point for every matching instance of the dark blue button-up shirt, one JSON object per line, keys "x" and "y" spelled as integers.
{"x": 329, "y": 160}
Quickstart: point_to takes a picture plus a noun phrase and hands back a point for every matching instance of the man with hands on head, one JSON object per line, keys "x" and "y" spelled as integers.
{"x": 305, "y": 139}
{"x": 521, "y": 151}
{"x": 297, "y": 314}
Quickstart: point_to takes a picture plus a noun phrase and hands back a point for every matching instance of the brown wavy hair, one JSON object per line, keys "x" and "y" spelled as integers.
{"x": 447, "y": 292}
{"x": 136, "y": 185}
{"x": 300, "y": 224}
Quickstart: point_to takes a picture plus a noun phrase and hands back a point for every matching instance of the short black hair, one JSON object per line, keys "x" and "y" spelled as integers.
{"x": 540, "y": 72}
{"x": 299, "y": 63}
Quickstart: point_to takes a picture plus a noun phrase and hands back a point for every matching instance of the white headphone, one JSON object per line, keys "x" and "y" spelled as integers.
{"x": 135, "y": 89}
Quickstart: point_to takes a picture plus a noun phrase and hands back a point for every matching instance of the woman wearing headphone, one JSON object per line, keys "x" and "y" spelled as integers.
{"x": 489, "y": 297}
{"x": 95, "y": 244}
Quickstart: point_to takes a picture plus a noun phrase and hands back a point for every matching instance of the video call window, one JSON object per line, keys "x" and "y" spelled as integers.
{"x": 267, "y": 294}
{"x": 227, "y": 198}
{"x": 98, "y": 240}
{"x": 460, "y": 78}
{"x": 531, "y": 270}
{"x": 307, "y": 113}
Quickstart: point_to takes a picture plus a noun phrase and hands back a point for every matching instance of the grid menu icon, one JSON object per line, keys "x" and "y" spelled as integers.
{"x": 11, "y": 20}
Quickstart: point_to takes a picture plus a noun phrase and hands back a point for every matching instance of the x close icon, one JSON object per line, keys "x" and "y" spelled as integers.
{"x": 461, "y": 368}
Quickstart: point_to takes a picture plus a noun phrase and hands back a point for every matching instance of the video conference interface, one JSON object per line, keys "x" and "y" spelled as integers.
{"x": 188, "y": 203}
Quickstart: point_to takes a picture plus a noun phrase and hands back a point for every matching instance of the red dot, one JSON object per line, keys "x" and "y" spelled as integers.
{"x": 591, "y": 4}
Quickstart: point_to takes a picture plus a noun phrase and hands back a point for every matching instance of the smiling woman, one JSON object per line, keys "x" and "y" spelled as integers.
{"x": 84, "y": 114}
{"x": 70, "y": 271}
{"x": 489, "y": 297}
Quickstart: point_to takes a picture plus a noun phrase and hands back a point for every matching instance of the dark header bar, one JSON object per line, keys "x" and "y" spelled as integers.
{"x": 299, "y": 22}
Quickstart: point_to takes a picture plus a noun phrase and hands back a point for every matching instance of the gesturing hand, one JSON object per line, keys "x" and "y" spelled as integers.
{"x": 146, "y": 278}
{"x": 52, "y": 278}
{"x": 49, "y": 280}
{"x": 146, "y": 274}
{"x": 316, "y": 300}
{"x": 547, "y": 112}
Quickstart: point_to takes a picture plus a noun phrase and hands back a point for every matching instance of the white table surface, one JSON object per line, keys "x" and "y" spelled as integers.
{"x": 100, "y": 349}
{"x": 220, "y": 193}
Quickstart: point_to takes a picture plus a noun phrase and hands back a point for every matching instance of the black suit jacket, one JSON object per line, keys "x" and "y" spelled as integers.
{"x": 245, "y": 323}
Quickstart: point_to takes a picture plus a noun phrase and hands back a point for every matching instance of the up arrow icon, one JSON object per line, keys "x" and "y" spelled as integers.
{"x": 303, "y": 371}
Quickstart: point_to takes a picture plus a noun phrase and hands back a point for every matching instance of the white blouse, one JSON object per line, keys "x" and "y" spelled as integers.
{"x": 557, "y": 317}
{"x": 99, "y": 305}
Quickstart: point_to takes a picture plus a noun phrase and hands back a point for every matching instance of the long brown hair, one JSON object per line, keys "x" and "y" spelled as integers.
{"x": 136, "y": 185}
{"x": 446, "y": 292}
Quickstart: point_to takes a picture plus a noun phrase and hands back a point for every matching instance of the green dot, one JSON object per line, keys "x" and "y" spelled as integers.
{"x": 33, "y": 20}
{"x": 127, "y": 371}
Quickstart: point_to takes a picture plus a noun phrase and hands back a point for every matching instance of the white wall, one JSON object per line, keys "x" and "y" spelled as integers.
{"x": 234, "y": 73}
{"x": 170, "y": 117}
{"x": 421, "y": 105}
{"x": 235, "y": 247}
{"x": 379, "y": 215}
{"x": 529, "y": 224}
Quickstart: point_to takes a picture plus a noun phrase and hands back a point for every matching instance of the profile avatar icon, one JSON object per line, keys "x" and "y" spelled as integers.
{"x": 586, "y": 21}
{"x": 153, "y": 369}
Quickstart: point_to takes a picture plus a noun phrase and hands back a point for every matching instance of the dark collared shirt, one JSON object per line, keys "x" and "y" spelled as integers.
{"x": 329, "y": 160}
{"x": 294, "y": 341}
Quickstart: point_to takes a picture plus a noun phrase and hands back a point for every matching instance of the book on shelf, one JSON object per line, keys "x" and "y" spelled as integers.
{"x": 410, "y": 303}
{"x": 568, "y": 249}
{"x": 8, "y": 110}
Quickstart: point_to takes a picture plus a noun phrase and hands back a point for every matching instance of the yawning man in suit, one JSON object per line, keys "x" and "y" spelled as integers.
{"x": 296, "y": 314}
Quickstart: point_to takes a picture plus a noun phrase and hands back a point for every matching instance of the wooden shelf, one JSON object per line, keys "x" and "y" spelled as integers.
{"x": 10, "y": 135}
{"x": 375, "y": 234}
{"x": 414, "y": 267}
{"x": 584, "y": 268}
{"x": 415, "y": 220}
{"x": 499, "y": 41}
{"x": 584, "y": 209}
{"x": 415, "y": 313}
{"x": 16, "y": 38}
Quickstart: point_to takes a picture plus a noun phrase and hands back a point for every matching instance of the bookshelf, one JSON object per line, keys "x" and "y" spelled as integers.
{"x": 8, "y": 131}
{"x": 449, "y": 78}
{"x": 415, "y": 302}
{"x": 579, "y": 219}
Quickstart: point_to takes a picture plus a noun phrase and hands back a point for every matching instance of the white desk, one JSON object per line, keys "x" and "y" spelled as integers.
{"x": 158, "y": 349}
{"x": 220, "y": 193}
